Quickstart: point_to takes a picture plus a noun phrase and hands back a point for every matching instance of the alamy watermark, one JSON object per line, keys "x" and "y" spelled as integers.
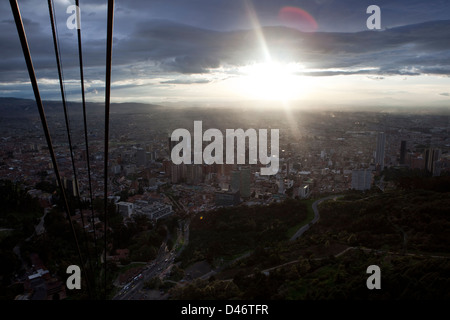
{"x": 374, "y": 21}
{"x": 74, "y": 20}
{"x": 374, "y": 281}
{"x": 74, "y": 280}
{"x": 183, "y": 152}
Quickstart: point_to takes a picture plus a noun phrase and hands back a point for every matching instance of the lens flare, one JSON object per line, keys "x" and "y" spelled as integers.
{"x": 297, "y": 18}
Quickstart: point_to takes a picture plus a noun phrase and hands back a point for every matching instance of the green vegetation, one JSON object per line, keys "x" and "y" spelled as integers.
{"x": 345, "y": 278}
{"x": 372, "y": 228}
{"x": 176, "y": 274}
{"x": 156, "y": 283}
{"x": 141, "y": 237}
{"x": 415, "y": 220}
{"x": 401, "y": 230}
{"x": 19, "y": 213}
{"x": 229, "y": 231}
{"x": 309, "y": 217}
{"x": 131, "y": 266}
{"x": 206, "y": 290}
{"x": 19, "y": 210}
{"x": 46, "y": 186}
{"x": 5, "y": 234}
{"x": 57, "y": 249}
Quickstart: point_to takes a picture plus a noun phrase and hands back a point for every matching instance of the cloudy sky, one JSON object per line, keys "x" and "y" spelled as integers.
{"x": 301, "y": 52}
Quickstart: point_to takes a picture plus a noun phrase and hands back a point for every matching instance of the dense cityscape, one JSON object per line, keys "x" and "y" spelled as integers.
{"x": 324, "y": 153}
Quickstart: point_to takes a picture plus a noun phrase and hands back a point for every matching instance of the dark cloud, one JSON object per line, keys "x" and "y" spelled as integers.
{"x": 331, "y": 15}
{"x": 411, "y": 50}
{"x": 212, "y": 34}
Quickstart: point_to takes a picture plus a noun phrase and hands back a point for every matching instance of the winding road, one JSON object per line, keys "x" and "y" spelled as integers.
{"x": 294, "y": 237}
{"x": 316, "y": 216}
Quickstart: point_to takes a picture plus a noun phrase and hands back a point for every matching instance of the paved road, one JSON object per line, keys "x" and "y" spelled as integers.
{"x": 294, "y": 237}
{"x": 39, "y": 229}
{"x": 316, "y": 216}
{"x": 213, "y": 272}
{"x": 164, "y": 261}
{"x": 160, "y": 265}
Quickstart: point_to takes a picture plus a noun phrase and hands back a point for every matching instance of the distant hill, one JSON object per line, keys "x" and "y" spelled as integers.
{"x": 16, "y": 107}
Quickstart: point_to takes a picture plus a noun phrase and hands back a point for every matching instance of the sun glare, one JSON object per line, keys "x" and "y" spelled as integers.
{"x": 272, "y": 81}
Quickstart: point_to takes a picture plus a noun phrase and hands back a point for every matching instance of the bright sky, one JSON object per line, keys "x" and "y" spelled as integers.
{"x": 227, "y": 51}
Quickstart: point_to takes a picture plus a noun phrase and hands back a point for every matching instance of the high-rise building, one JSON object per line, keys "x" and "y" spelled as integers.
{"x": 170, "y": 146}
{"x": 115, "y": 169}
{"x": 176, "y": 173}
{"x": 70, "y": 185}
{"x": 379, "y": 157}
{"x": 304, "y": 191}
{"x": 227, "y": 198}
{"x": 126, "y": 209}
{"x": 244, "y": 189}
{"x": 235, "y": 180}
{"x": 194, "y": 174}
{"x": 141, "y": 157}
{"x": 402, "y": 152}
{"x": 361, "y": 179}
{"x": 150, "y": 156}
{"x": 281, "y": 188}
{"x": 240, "y": 181}
{"x": 431, "y": 158}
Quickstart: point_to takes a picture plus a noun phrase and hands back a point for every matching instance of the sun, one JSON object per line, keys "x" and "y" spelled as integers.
{"x": 272, "y": 81}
